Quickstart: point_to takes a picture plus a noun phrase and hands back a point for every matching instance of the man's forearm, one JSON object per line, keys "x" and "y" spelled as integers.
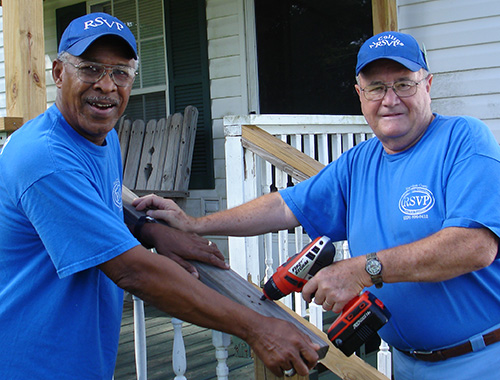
{"x": 267, "y": 213}
{"x": 446, "y": 254}
{"x": 164, "y": 284}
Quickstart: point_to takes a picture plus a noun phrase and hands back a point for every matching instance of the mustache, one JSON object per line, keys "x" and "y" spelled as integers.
{"x": 102, "y": 100}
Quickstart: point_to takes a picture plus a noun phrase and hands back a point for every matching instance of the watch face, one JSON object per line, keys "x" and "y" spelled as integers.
{"x": 373, "y": 267}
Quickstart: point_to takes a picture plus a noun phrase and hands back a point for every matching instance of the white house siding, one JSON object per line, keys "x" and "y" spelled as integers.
{"x": 462, "y": 38}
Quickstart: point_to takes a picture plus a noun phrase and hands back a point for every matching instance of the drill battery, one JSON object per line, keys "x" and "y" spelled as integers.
{"x": 359, "y": 321}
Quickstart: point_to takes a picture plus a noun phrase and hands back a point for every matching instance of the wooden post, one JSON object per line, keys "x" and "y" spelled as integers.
{"x": 385, "y": 16}
{"x": 24, "y": 59}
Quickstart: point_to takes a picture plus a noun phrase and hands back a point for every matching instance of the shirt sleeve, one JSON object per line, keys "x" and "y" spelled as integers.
{"x": 79, "y": 228}
{"x": 319, "y": 203}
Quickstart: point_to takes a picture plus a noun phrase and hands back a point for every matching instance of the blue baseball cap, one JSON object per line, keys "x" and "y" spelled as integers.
{"x": 83, "y": 31}
{"x": 396, "y": 46}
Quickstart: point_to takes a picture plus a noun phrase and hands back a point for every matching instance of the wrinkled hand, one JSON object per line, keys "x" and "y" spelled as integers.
{"x": 180, "y": 246}
{"x": 335, "y": 285}
{"x": 281, "y": 346}
{"x": 166, "y": 210}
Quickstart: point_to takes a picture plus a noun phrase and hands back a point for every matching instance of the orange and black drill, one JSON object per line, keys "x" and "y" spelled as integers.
{"x": 361, "y": 318}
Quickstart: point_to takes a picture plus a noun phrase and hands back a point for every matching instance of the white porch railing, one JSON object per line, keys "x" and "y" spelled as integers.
{"x": 322, "y": 137}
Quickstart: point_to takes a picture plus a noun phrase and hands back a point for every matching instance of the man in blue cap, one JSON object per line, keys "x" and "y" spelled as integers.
{"x": 419, "y": 208}
{"x": 64, "y": 247}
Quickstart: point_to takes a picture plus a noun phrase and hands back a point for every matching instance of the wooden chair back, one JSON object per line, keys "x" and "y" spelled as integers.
{"x": 157, "y": 155}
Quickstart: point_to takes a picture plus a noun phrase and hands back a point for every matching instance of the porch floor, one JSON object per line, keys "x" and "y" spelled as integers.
{"x": 200, "y": 353}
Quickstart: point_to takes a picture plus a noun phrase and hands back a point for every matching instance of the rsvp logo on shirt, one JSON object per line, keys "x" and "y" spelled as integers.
{"x": 117, "y": 194}
{"x": 416, "y": 201}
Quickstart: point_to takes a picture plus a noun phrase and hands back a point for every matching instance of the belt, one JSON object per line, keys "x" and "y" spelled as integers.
{"x": 461, "y": 349}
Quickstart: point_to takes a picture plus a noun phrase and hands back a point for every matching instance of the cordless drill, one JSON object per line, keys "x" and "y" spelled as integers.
{"x": 360, "y": 319}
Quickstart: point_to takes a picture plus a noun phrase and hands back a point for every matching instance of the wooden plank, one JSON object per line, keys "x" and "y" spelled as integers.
{"x": 174, "y": 137}
{"x": 124, "y": 131}
{"x": 183, "y": 172}
{"x": 233, "y": 286}
{"x": 24, "y": 52}
{"x": 157, "y": 159}
{"x": 10, "y": 124}
{"x": 134, "y": 154}
{"x": 147, "y": 154}
{"x": 280, "y": 154}
{"x": 163, "y": 125}
{"x": 385, "y": 16}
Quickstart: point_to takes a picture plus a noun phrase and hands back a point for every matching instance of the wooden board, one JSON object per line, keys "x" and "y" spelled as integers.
{"x": 282, "y": 155}
{"x": 234, "y": 287}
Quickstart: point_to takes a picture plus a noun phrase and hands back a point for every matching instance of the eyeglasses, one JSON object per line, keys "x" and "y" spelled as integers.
{"x": 402, "y": 88}
{"x": 91, "y": 72}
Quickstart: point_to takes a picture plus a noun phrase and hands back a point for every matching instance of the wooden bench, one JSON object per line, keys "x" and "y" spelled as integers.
{"x": 157, "y": 156}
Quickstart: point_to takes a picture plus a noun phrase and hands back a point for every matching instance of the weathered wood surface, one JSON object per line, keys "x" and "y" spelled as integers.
{"x": 280, "y": 154}
{"x": 233, "y": 286}
{"x": 157, "y": 156}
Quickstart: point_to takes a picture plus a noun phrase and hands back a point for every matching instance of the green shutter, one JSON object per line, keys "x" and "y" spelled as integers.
{"x": 67, "y": 14}
{"x": 188, "y": 79}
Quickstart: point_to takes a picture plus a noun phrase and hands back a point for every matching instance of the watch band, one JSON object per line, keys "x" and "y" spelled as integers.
{"x": 374, "y": 269}
{"x": 138, "y": 227}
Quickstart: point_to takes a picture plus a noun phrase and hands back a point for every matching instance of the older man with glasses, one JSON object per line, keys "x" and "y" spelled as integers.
{"x": 419, "y": 206}
{"x": 65, "y": 252}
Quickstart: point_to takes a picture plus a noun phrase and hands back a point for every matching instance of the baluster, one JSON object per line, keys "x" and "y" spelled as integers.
{"x": 384, "y": 358}
{"x": 336, "y": 142}
{"x": 268, "y": 238}
{"x": 179, "y": 364}
{"x": 141, "y": 366}
{"x": 323, "y": 148}
{"x": 221, "y": 341}
{"x": 268, "y": 251}
{"x": 316, "y": 315}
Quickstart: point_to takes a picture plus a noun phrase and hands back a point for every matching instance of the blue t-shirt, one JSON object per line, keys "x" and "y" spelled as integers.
{"x": 62, "y": 215}
{"x": 450, "y": 178}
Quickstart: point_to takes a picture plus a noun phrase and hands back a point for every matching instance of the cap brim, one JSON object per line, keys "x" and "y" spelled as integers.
{"x": 410, "y": 65}
{"x": 79, "y": 47}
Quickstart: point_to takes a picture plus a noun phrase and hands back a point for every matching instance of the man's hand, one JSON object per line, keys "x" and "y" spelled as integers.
{"x": 335, "y": 285}
{"x": 181, "y": 246}
{"x": 281, "y": 346}
{"x": 166, "y": 210}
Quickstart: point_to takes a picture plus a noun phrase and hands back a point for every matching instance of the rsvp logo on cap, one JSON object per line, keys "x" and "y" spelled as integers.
{"x": 386, "y": 40}
{"x": 99, "y": 21}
